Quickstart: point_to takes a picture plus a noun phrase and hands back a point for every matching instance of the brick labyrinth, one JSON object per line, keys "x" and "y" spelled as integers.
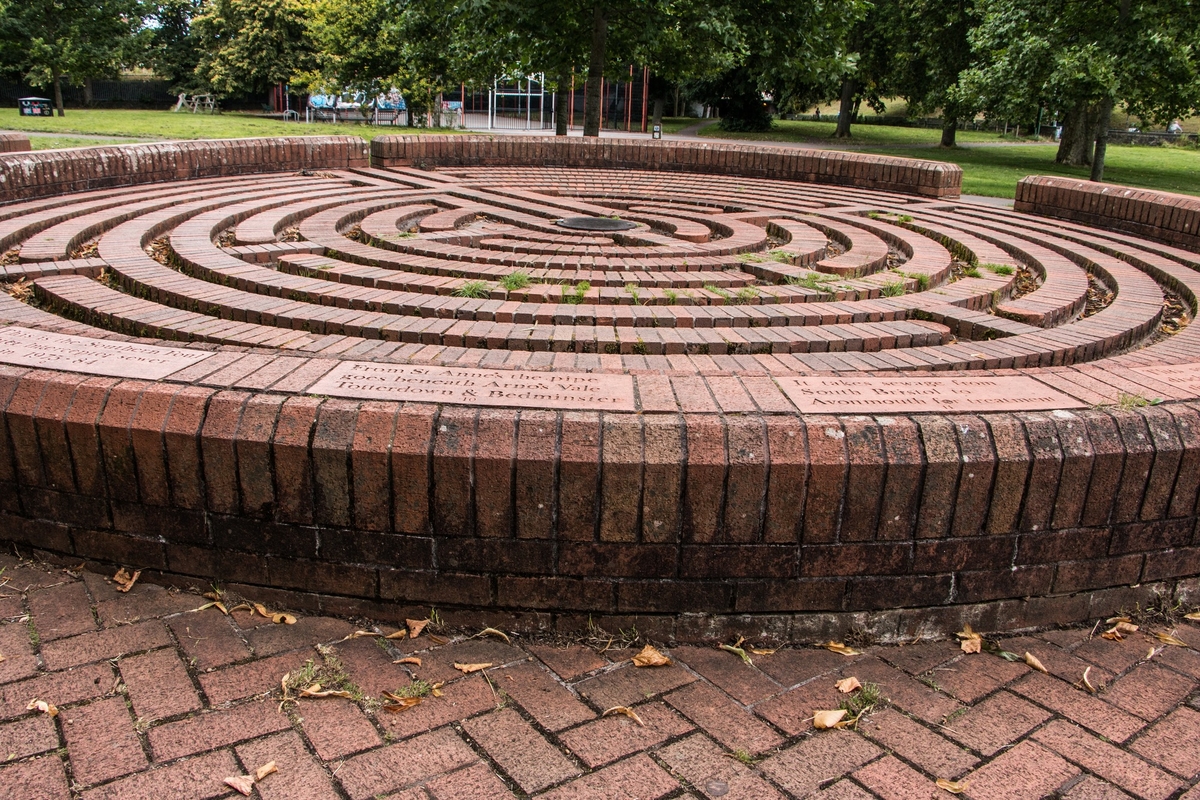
{"x": 333, "y": 444}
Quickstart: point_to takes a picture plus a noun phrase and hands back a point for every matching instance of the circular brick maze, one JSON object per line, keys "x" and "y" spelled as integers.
{"x": 803, "y": 400}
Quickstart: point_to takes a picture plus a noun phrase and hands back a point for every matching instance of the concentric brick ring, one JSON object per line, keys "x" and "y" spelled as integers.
{"x": 392, "y": 401}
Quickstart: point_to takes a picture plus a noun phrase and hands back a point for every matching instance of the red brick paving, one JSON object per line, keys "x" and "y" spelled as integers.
{"x": 163, "y": 702}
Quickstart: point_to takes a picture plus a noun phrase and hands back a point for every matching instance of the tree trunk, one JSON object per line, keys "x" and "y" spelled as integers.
{"x": 88, "y": 98}
{"x": 1075, "y": 146}
{"x": 658, "y": 109}
{"x": 949, "y": 131}
{"x": 591, "y": 113}
{"x": 677, "y": 102}
{"x": 1101, "y": 140}
{"x": 846, "y": 111}
{"x": 58, "y": 93}
{"x": 562, "y": 100}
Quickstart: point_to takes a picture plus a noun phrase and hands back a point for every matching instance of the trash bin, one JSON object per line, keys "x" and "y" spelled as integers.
{"x": 36, "y": 107}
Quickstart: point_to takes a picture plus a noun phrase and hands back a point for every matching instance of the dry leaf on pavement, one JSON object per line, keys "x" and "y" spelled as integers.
{"x": 361, "y": 634}
{"x": 823, "y": 720}
{"x": 415, "y": 626}
{"x": 1119, "y": 630}
{"x": 762, "y": 651}
{"x": 265, "y": 770}
{"x": 41, "y": 705}
{"x": 2, "y": 658}
{"x": 848, "y": 685}
{"x": 838, "y": 647}
{"x": 1032, "y": 661}
{"x": 1194, "y": 616}
{"x": 399, "y": 703}
{"x": 649, "y": 657}
{"x": 1084, "y": 683}
{"x": 467, "y": 669}
{"x": 627, "y": 711}
{"x": 400, "y": 634}
{"x": 316, "y": 691}
{"x": 243, "y": 783}
{"x": 972, "y": 642}
{"x": 1167, "y": 638}
{"x": 408, "y": 660}
{"x": 283, "y": 619}
{"x": 124, "y": 580}
{"x": 436, "y": 689}
{"x": 953, "y": 787}
{"x": 496, "y": 633}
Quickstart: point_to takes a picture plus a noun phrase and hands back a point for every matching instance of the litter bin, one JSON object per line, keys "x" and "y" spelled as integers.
{"x": 36, "y": 107}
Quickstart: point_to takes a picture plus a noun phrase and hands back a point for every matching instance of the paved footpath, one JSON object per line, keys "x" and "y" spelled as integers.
{"x": 157, "y": 699}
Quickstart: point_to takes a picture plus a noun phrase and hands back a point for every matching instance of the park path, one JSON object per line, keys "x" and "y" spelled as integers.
{"x": 160, "y": 695}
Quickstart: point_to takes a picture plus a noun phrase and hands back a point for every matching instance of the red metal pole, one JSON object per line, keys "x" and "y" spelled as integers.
{"x": 645, "y": 94}
{"x": 629, "y": 102}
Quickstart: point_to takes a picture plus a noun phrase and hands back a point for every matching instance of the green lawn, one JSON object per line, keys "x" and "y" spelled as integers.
{"x": 183, "y": 125}
{"x": 995, "y": 171}
{"x": 61, "y": 142}
{"x": 787, "y": 130}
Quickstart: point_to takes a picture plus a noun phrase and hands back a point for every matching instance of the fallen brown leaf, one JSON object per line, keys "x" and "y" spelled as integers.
{"x": 496, "y": 633}
{"x": 399, "y": 703}
{"x": 400, "y": 634}
{"x": 838, "y": 647}
{"x": 953, "y": 787}
{"x": 214, "y": 596}
{"x": 1086, "y": 683}
{"x": 1119, "y": 630}
{"x": 261, "y": 609}
{"x": 240, "y": 606}
{"x": 283, "y": 619}
{"x": 650, "y": 657}
{"x": 221, "y": 607}
{"x": 124, "y": 580}
{"x": 361, "y": 634}
{"x": 848, "y": 685}
{"x": 628, "y": 712}
{"x": 2, "y": 658}
{"x": 1167, "y": 638}
{"x": 316, "y": 691}
{"x": 415, "y": 626}
{"x": 758, "y": 651}
{"x": 467, "y": 669}
{"x": 436, "y": 689}
{"x": 823, "y": 720}
{"x": 48, "y": 709}
{"x": 1194, "y": 616}
{"x": 244, "y": 784}
{"x": 1032, "y": 661}
{"x": 408, "y": 660}
{"x": 265, "y": 770}
{"x": 971, "y": 642}
{"x": 439, "y": 640}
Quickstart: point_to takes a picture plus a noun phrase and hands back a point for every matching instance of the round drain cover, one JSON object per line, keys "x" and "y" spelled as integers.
{"x": 596, "y": 224}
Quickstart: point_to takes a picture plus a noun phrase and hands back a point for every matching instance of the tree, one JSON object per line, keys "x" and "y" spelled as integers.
{"x": 76, "y": 39}
{"x": 868, "y": 68}
{"x": 1081, "y": 59}
{"x": 172, "y": 51}
{"x": 249, "y": 45}
{"x": 933, "y": 49}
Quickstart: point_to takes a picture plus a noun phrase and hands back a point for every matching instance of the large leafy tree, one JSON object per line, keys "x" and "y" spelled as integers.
{"x": 172, "y": 51}
{"x": 249, "y": 45}
{"x": 933, "y": 48}
{"x": 49, "y": 40}
{"x": 1081, "y": 58}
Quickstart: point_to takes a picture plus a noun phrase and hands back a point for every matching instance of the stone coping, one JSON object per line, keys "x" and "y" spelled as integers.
{"x": 14, "y": 143}
{"x": 874, "y": 430}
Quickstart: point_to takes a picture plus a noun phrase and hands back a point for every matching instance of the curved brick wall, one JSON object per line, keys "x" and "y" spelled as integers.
{"x": 930, "y": 178}
{"x": 52, "y": 172}
{"x": 1162, "y": 216}
{"x": 331, "y": 424}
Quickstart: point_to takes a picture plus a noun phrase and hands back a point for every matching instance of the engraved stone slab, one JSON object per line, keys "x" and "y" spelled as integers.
{"x": 1185, "y": 377}
{"x": 482, "y": 387}
{"x": 905, "y": 394}
{"x": 31, "y": 348}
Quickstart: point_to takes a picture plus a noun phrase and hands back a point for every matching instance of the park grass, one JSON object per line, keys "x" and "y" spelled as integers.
{"x": 807, "y": 132}
{"x": 994, "y": 171}
{"x": 64, "y": 142}
{"x": 149, "y": 125}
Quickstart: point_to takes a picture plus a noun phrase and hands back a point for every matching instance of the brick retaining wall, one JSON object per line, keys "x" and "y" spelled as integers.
{"x": 929, "y": 178}
{"x": 1162, "y": 216}
{"x": 53, "y": 172}
{"x": 755, "y": 518}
